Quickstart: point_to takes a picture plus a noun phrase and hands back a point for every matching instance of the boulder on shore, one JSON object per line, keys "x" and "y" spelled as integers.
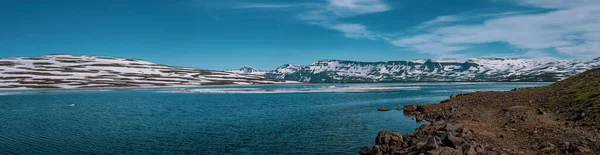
{"x": 436, "y": 138}
{"x": 411, "y": 108}
{"x": 388, "y": 138}
{"x": 383, "y": 143}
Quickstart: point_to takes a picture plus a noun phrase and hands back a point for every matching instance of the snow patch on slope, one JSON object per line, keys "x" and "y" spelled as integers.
{"x": 79, "y": 71}
{"x": 475, "y": 69}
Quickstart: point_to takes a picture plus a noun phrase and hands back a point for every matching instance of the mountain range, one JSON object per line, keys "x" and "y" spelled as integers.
{"x": 78, "y": 71}
{"x": 428, "y": 70}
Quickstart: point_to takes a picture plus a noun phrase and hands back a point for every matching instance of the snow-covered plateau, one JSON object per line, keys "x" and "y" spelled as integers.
{"x": 429, "y": 70}
{"x": 77, "y": 71}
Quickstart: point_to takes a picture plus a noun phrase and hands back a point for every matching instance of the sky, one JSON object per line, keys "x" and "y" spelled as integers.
{"x": 228, "y": 34}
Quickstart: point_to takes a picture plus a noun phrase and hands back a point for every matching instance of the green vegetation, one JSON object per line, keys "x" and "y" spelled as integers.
{"x": 548, "y": 151}
{"x": 579, "y": 95}
{"x": 585, "y": 96}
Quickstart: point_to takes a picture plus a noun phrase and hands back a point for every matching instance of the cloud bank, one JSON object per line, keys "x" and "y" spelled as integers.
{"x": 571, "y": 30}
{"x": 565, "y": 28}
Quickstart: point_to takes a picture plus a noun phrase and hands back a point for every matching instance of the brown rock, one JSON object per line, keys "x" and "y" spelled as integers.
{"x": 420, "y": 108}
{"x": 388, "y": 138}
{"x": 445, "y": 151}
{"x": 479, "y": 150}
{"x": 582, "y": 149}
{"x": 453, "y": 128}
{"x": 578, "y": 117}
{"x": 573, "y": 148}
{"x": 378, "y": 150}
{"x": 540, "y": 111}
{"x": 365, "y": 150}
{"x": 543, "y": 145}
{"x": 463, "y": 132}
{"x": 419, "y": 118}
{"x": 419, "y": 145}
{"x": 383, "y": 109}
{"x": 453, "y": 141}
{"x": 439, "y": 123}
{"x": 432, "y": 143}
{"x": 469, "y": 150}
{"x": 410, "y": 108}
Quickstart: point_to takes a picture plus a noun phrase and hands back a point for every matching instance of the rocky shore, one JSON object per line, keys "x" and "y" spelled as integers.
{"x": 563, "y": 118}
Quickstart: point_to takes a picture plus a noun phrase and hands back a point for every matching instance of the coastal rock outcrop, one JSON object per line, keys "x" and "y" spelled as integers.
{"x": 436, "y": 139}
{"x": 562, "y": 118}
{"x": 413, "y": 108}
{"x": 410, "y": 108}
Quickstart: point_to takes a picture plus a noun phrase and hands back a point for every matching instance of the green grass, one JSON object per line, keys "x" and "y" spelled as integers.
{"x": 548, "y": 151}
{"x": 583, "y": 96}
{"x": 583, "y": 90}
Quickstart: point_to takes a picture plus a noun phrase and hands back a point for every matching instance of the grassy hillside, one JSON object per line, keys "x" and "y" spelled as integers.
{"x": 578, "y": 98}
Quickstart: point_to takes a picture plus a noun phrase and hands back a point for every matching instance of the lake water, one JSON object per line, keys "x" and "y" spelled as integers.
{"x": 273, "y": 119}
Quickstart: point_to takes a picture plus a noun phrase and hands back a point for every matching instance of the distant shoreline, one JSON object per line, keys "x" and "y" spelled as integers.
{"x": 200, "y": 86}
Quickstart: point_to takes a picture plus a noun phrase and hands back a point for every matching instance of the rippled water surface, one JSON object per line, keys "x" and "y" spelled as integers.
{"x": 274, "y": 119}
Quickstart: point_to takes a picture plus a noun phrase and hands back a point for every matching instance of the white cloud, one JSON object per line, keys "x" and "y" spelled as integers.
{"x": 346, "y": 8}
{"x": 429, "y": 43}
{"x": 449, "y": 19}
{"x": 354, "y": 31}
{"x": 272, "y": 6}
{"x": 537, "y": 54}
{"x": 255, "y": 5}
{"x": 441, "y": 20}
{"x": 558, "y": 4}
{"x": 329, "y": 13}
{"x": 572, "y": 31}
{"x": 568, "y": 27}
{"x": 584, "y": 50}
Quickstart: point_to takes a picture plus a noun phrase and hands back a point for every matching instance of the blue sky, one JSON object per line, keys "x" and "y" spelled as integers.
{"x": 224, "y": 34}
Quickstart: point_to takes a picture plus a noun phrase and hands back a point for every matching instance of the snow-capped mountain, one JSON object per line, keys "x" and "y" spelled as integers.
{"x": 476, "y": 69}
{"x": 247, "y": 70}
{"x": 73, "y": 71}
{"x": 284, "y": 70}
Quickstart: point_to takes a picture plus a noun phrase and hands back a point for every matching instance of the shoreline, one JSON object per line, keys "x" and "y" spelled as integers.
{"x": 188, "y": 86}
{"x": 538, "y": 120}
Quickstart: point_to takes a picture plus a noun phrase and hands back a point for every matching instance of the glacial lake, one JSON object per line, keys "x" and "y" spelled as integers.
{"x": 266, "y": 119}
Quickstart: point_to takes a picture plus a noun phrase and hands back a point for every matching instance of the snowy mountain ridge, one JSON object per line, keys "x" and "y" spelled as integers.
{"x": 247, "y": 70}
{"x": 76, "y": 71}
{"x": 473, "y": 69}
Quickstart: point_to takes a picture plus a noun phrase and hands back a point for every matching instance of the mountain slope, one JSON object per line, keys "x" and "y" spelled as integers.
{"x": 480, "y": 69}
{"x": 72, "y": 71}
{"x": 578, "y": 98}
